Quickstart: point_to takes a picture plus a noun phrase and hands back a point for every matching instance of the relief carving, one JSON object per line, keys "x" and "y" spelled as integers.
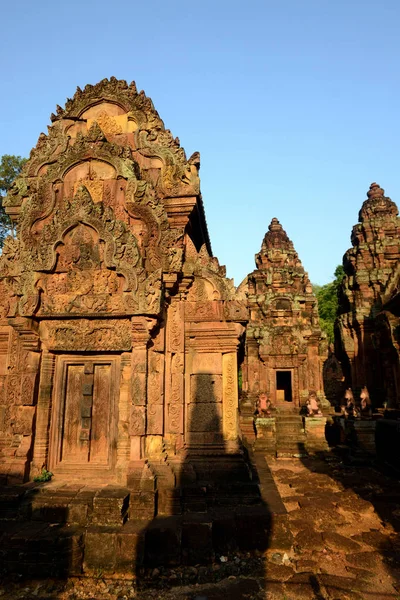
{"x": 175, "y": 328}
{"x": 86, "y": 335}
{"x": 137, "y": 422}
{"x": 175, "y": 418}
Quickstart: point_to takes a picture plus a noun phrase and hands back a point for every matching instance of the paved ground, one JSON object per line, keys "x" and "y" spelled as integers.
{"x": 338, "y": 541}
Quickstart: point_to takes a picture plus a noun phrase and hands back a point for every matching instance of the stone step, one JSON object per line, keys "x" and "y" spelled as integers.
{"x": 39, "y": 549}
{"x": 76, "y": 504}
{"x": 288, "y": 417}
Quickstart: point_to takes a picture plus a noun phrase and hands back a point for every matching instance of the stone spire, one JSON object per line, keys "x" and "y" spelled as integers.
{"x": 277, "y": 249}
{"x": 375, "y": 248}
{"x": 377, "y": 205}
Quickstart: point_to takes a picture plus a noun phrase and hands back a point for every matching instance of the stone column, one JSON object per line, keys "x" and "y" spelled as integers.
{"x": 137, "y": 420}
{"x": 175, "y": 367}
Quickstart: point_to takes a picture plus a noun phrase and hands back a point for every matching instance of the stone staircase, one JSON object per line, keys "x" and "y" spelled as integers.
{"x": 290, "y": 435}
{"x": 285, "y": 434}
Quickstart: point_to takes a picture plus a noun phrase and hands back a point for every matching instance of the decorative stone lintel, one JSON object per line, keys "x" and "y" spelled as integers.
{"x": 86, "y": 335}
{"x": 218, "y": 336}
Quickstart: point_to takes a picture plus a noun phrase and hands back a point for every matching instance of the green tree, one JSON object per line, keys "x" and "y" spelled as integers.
{"x": 10, "y": 168}
{"x": 327, "y": 296}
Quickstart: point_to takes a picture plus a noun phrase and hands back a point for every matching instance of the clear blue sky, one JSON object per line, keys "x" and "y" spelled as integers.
{"x": 293, "y": 104}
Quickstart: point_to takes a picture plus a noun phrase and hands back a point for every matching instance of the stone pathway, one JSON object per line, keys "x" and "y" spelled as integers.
{"x": 338, "y": 541}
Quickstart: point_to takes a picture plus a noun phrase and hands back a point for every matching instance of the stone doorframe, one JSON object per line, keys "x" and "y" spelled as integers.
{"x": 275, "y": 364}
{"x": 47, "y": 404}
{"x": 59, "y": 405}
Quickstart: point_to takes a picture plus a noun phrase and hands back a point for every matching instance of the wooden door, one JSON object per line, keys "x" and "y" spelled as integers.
{"x": 84, "y": 423}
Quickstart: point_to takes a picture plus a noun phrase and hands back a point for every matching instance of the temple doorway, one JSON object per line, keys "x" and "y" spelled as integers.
{"x": 84, "y": 432}
{"x": 284, "y": 386}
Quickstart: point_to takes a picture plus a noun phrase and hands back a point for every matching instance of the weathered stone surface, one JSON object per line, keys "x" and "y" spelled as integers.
{"x": 281, "y": 536}
{"x": 308, "y": 539}
{"x": 377, "y": 540}
{"x": 339, "y": 542}
{"x": 368, "y": 560}
{"x": 306, "y": 566}
{"x": 302, "y": 586}
{"x": 350, "y": 502}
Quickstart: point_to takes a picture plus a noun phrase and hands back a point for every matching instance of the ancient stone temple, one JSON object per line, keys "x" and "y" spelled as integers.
{"x": 284, "y": 350}
{"x": 284, "y": 345}
{"x": 367, "y": 329}
{"x": 121, "y": 345}
{"x": 119, "y": 330}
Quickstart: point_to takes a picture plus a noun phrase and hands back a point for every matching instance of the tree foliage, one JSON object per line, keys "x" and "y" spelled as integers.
{"x": 10, "y": 168}
{"x": 327, "y": 296}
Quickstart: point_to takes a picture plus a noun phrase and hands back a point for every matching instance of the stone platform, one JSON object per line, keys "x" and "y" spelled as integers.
{"x": 69, "y": 528}
{"x": 288, "y": 434}
{"x": 338, "y": 540}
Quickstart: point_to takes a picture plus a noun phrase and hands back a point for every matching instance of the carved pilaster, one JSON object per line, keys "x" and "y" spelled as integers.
{"x": 155, "y": 394}
{"x": 175, "y": 370}
{"x": 141, "y": 335}
{"x": 230, "y": 400}
{"x": 41, "y": 446}
{"x": 124, "y": 407}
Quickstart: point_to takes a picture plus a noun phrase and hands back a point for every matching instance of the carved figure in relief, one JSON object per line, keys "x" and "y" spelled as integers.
{"x": 313, "y": 409}
{"x": 263, "y": 406}
{"x": 175, "y": 257}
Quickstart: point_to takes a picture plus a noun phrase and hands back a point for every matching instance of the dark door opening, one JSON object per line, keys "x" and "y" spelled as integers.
{"x": 284, "y": 386}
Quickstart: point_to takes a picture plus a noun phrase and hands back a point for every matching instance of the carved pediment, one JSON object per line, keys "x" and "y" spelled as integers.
{"x": 83, "y": 261}
{"x": 101, "y": 209}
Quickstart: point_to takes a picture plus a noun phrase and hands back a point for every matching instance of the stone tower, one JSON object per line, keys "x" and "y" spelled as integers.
{"x": 367, "y": 328}
{"x": 284, "y": 344}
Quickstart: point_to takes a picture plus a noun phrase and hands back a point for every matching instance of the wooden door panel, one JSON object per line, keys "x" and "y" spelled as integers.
{"x": 84, "y": 423}
{"x": 101, "y": 414}
{"x": 72, "y": 450}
